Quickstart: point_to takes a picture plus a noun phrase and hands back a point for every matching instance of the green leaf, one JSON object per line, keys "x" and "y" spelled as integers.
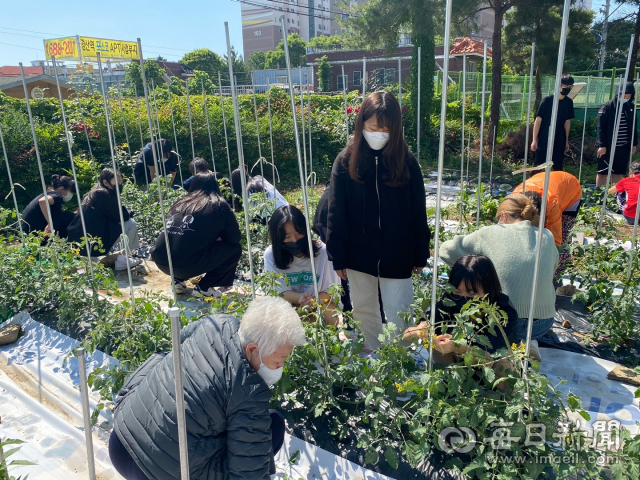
{"x": 584, "y": 415}
{"x": 391, "y": 456}
{"x": 489, "y": 374}
{"x": 295, "y": 456}
{"x": 371, "y": 457}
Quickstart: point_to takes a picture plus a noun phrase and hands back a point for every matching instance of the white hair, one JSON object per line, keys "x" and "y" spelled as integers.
{"x": 270, "y": 323}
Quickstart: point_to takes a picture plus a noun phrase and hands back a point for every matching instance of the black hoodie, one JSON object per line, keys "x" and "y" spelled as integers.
{"x": 607, "y": 121}
{"x": 374, "y": 228}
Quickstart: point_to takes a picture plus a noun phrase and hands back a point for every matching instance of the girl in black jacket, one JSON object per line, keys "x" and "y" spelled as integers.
{"x": 377, "y": 225}
{"x": 102, "y": 220}
{"x": 204, "y": 237}
{"x": 35, "y": 216}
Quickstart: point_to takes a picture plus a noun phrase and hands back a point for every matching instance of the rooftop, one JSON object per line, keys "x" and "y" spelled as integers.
{"x": 11, "y": 71}
{"x": 464, "y": 45}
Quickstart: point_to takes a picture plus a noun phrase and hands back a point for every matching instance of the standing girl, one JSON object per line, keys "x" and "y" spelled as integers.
{"x": 377, "y": 230}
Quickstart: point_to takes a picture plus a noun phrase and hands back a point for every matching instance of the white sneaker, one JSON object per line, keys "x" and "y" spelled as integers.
{"x": 181, "y": 287}
{"x": 121, "y": 262}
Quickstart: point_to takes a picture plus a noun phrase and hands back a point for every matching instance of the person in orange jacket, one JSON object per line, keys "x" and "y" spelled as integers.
{"x": 563, "y": 201}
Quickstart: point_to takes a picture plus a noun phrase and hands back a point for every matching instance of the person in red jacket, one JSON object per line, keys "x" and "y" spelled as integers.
{"x": 627, "y": 192}
{"x": 563, "y": 200}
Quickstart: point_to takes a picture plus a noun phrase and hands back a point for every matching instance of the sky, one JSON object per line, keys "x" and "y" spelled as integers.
{"x": 167, "y": 28}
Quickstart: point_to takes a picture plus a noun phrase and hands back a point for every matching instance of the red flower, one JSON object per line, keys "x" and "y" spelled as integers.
{"x": 357, "y": 109}
{"x": 453, "y": 135}
{"x": 349, "y": 109}
{"x": 404, "y": 109}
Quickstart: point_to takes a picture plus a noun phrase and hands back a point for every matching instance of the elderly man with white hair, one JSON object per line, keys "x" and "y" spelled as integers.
{"x": 228, "y": 368}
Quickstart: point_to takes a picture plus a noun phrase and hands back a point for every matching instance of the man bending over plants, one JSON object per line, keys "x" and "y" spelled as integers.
{"x": 228, "y": 368}
{"x": 472, "y": 276}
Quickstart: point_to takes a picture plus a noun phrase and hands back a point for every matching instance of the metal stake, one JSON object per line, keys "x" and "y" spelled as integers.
{"x": 464, "y": 105}
{"x": 226, "y": 140}
{"x": 146, "y": 170}
{"x": 304, "y": 140}
{"x": 273, "y": 165}
{"x": 584, "y": 129}
{"x": 313, "y": 182}
{"x": 241, "y": 164}
{"x": 206, "y": 114}
{"x": 547, "y": 177}
{"x": 346, "y": 114}
{"x": 13, "y": 191}
{"x": 484, "y": 82}
{"x": 124, "y": 125}
{"x": 86, "y": 411}
{"x": 193, "y": 147}
{"x": 175, "y": 135}
{"x": 526, "y": 135}
{"x": 255, "y": 112}
{"x": 418, "y": 114}
{"x": 174, "y": 314}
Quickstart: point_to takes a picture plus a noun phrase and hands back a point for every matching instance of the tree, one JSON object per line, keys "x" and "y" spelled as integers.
{"x": 465, "y": 12}
{"x": 152, "y": 70}
{"x": 160, "y": 58}
{"x": 324, "y": 74}
{"x": 297, "y": 53}
{"x": 619, "y": 32}
{"x": 205, "y": 60}
{"x": 256, "y": 61}
{"x": 195, "y": 83}
{"x": 540, "y": 21}
{"x": 325, "y": 42}
{"x": 380, "y": 23}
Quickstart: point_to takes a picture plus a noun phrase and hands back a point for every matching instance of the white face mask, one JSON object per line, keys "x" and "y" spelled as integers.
{"x": 269, "y": 375}
{"x": 376, "y": 140}
{"x": 67, "y": 197}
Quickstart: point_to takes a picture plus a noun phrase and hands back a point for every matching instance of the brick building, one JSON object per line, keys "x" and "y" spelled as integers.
{"x": 383, "y": 69}
{"x": 38, "y": 86}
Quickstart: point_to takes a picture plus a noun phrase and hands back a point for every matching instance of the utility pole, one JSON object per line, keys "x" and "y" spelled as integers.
{"x": 603, "y": 45}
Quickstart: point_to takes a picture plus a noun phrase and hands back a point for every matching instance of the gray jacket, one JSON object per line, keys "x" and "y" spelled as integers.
{"x": 226, "y": 403}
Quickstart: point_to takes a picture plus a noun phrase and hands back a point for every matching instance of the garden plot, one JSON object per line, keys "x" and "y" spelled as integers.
{"x": 40, "y": 398}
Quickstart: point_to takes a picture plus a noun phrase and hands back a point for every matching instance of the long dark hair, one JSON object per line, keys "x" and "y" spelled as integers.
{"x": 107, "y": 174}
{"x": 386, "y": 109}
{"x": 204, "y": 191}
{"x": 63, "y": 181}
{"x": 236, "y": 181}
{"x": 476, "y": 271}
{"x": 284, "y": 214}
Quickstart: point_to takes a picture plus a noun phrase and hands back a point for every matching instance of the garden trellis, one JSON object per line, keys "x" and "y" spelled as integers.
{"x": 306, "y": 176}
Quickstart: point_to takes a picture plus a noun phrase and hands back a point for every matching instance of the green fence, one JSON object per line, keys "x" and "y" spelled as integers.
{"x": 515, "y": 91}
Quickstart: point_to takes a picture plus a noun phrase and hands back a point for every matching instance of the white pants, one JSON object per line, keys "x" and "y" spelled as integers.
{"x": 131, "y": 231}
{"x": 397, "y": 297}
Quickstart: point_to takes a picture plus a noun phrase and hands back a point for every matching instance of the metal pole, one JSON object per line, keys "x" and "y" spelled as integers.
{"x": 633, "y": 126}
{"x": 300, "y": 169}
{"x": 226, "y": 140}
{"x": 346, "y": 114}
{"x": 146, "y": 170}
{"x": 443, "y": 116}
{"x": 584, "y": 128}
{"x": 174, "y": 314}
{"x": 493, "y": 147}
{"x": 124, "y": 239}
{"x": 175, "y": 135}
{"x": 243, "y": 180}
{"x": 73, "y": 171}
{"x": 13, "y": 192}
{"x": 603, "y": 45}
{"x": 193, "y": 147}
{"x": 526, "y": 135}
{"x": 86, "y": 411}
{"x": 547, "y": 177}
{"x": 484, "y": 82}
{"x": 399, "y": 82}
{"x": 124, "y": 125}
{"x": 255, "y": 112}
{"x": 206, "y": 114}
{"x": 304, "y": 140}
{"x": 464, "y": 104}
{"x": 155, "y": 108}
{"x": 634, "y": 239}
{"x": 364, "y": 76}
{"x": 615, "y": 134}
{"x": 35, "y": 145}
{"x": 273, "y": 165}
{"x": 313, "y": 182}
{"x": 418, "y": 114}
{"x": 157, "y": 179}
{"x": 468, "y": 156}
{"x": 86, "y": 130}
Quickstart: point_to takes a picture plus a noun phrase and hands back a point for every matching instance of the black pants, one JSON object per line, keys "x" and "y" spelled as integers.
{"x": 557, "y": 157}
{"x": 129, "y": 469}
{"x": 219, "y": 267}
{"x": 620, "y": 162}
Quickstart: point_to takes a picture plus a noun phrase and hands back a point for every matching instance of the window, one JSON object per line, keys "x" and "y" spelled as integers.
{"x": 473, "y": 66}
{"x": 288, "y": 20}
{"x": 390, "y": 75}
{"x": 343, "y": 82}
{"x": 335, "y": 32}
{"x": 345, "y": 15}
{"x": 379, "y": 76}
{"x": 357, "y": 78}
{"x": 281, "y": 79}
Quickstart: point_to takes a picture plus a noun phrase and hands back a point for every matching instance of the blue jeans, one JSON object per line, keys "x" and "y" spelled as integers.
{"x": 540, "y": 327}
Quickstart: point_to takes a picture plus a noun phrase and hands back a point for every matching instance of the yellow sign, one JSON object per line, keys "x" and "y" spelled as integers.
{"x": 61, "y": 48}
{"x": 89, "y": 47}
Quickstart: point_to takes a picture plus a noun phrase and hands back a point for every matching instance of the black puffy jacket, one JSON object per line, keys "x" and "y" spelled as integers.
{"x": 226, "y": 404}
{"x": 375, "y": 228}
